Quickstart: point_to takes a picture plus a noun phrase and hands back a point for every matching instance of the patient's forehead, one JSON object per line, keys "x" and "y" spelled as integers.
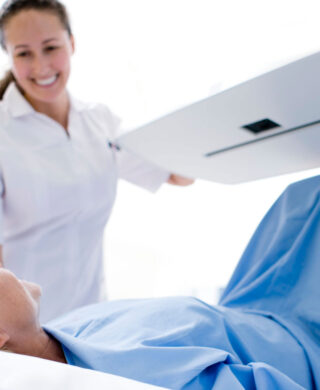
{"x": 7, "y": 276}
{"x": 12, "y": 291}
{"x": 18, "y": 304}
{"x": 10, "y": 288}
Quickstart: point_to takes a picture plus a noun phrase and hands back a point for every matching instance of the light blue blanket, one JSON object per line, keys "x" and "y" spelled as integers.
{"x": 264, "y": 334}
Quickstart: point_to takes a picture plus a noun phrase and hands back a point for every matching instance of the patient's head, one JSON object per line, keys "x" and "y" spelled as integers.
{"x": 20, "y": 330}
{"x": 19, "y": 308}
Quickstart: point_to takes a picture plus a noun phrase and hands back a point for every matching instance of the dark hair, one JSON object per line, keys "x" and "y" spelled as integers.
{"x": 12, "y": 7}
{"x": 5, "y": 81}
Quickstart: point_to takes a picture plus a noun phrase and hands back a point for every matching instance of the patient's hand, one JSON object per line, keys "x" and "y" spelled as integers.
{"x": 178, "y": 180}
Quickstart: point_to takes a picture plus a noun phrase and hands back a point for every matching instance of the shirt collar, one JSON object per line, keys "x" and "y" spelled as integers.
{"x": 19, "y": 106}
{"x": 76, "y": 104}
{"x": 15, "y": 101}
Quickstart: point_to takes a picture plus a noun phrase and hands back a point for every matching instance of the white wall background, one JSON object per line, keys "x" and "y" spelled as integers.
{"x": 147, "y": 57}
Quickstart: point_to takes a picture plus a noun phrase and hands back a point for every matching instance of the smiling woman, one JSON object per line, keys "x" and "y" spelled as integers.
{"x": 58, "y": 166}
{"x": 40, "y": 47}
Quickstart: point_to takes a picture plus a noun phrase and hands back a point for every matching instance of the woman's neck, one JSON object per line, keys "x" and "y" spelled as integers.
{"x": 58, "y": 110}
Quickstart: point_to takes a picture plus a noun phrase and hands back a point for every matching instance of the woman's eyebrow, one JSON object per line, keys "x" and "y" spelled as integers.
{"x": 43, "y": 43}
{"x": 20, "y": 47}
{"x": 49, "y": 40}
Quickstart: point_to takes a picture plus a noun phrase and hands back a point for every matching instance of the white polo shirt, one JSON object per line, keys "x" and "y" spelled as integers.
{"x": 56, "y": 195}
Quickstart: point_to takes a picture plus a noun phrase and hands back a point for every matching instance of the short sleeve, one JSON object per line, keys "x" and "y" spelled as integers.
{"x": 133, "y": 168}
{"x": 138, "y": 171}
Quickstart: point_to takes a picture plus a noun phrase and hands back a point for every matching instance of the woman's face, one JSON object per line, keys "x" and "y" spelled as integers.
{"x": 40, "y": 52}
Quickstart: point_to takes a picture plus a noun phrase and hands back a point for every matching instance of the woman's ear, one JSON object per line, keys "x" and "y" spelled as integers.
{"x": 72, "y": 43}
{"x": 4, "y": 338}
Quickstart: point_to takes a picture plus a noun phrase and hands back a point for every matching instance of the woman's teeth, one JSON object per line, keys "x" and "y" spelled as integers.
{"x": 48, "y": 81}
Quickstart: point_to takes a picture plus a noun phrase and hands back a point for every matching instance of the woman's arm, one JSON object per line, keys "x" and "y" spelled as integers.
{"x": 1, "y": 258}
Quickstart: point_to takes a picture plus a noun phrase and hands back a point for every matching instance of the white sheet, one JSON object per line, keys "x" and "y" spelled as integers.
{"x": 18, "y": 372}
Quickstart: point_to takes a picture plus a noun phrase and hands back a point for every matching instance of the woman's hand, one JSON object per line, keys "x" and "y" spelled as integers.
{"x": 178, "y": 180}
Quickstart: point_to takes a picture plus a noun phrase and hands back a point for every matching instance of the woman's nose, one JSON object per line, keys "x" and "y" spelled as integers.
{"x": 40, "y": 65}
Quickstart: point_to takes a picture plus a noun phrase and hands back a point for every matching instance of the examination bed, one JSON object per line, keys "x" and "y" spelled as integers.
{"x": 19, "y": 372}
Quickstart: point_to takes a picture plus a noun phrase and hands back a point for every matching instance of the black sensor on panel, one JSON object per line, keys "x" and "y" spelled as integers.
{"x": 260, "y": 126}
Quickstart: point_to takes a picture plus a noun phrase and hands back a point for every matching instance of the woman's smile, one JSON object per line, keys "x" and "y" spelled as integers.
{"x": 46, "y": 82}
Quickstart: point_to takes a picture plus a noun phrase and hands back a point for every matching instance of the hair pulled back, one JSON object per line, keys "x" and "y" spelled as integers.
{"x": 12, "y": 7}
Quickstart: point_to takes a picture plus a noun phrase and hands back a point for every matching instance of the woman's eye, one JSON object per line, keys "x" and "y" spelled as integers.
{"x": 23, "y": 54}
{"x": 50, "y": 48}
